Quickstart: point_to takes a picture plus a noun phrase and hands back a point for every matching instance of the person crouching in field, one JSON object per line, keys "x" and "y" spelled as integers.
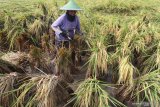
{"x": 66, "y": 26}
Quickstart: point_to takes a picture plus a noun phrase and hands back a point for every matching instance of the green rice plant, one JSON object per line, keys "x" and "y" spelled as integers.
{"x": 151, "y": 60}
{"x": 91, "y": 93}
{"x": 138, "y": 43}
{"x": 53, "y": 8}
{"x": 22, "y": 20}
{"x": 37, "y": 29}
{"x": 97, "y": 42}
{"x": 149, "y": 64}
{"x": 124, "y": 49}
{"x": 148, "y": 88}
{"x": 8, "y": 23}
{"x": 135, "y": 42}
{"x": 134, "y": 38}
{"x": 98, "y": 59}
{"x": 118, "y": 7}
{"x": 145, "y": 88}
{"x": 14, "y": 34}
{"x": 43, "y": 8}
{"x": 114, "y": 26}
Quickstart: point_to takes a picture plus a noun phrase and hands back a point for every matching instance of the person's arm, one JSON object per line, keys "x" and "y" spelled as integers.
{"x": 78, "y": 28}
{"x": 56, "y": 24}
{"x": 56, "y": 29}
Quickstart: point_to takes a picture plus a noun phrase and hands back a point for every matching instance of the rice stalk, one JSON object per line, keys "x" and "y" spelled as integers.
{"x": 126, "y": 71}
{"x": 91, "y": 93}
{"x": 158, "y": 55}
{"x": 8, "y": 23}
{"x": 43, "y": 8}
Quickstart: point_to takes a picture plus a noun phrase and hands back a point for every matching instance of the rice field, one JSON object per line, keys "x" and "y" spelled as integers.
{"x": 117, "y": 60}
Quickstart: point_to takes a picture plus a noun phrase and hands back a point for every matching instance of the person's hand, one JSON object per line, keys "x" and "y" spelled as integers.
{"x": 66, "y": 35}
{"x": 63, "y": 33}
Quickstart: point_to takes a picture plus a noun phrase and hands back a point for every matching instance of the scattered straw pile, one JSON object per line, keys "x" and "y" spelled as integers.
{"x": 33, "y": 90}
{"x": 14, "y": 57}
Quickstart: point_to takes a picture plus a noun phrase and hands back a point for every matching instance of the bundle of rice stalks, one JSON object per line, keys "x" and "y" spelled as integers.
{"x": 146, "y": 88}
{"x": 7, "y": 67}
{"x": 79, "y": 47}
{"x": 91, "y": 93}
{"x": 99, "y": 57}
{"x": 42, "y": 91}
{"x": 35, "y": 56}
{"x": 15, "y": 57}
{"x": 126, "y": 71}
{"x": 7, "y": 84}
{"x": 63, "y": 63}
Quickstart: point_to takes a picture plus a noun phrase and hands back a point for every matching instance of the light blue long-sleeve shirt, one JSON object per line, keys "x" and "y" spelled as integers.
{"x": 63, "y": 23}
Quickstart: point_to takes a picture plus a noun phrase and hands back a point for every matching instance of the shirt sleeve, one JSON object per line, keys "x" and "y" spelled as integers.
{"x": 55, "y": 26}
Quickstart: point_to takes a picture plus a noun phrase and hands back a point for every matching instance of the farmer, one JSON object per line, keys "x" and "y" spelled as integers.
{"x": 67, "y": 24}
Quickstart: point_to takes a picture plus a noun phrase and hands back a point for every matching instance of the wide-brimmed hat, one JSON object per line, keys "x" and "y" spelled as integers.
{"x": 71, "y": 5}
